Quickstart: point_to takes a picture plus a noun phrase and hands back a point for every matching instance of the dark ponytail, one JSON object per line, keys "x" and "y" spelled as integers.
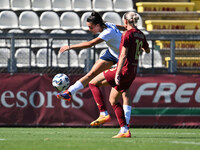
{"x": 95, "y": 18}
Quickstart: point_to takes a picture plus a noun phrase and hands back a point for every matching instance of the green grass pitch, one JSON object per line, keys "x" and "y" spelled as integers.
{"x": 98, "y": 139}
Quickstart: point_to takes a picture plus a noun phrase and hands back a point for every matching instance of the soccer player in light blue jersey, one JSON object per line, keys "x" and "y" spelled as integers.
{"x": 109, "y": 33}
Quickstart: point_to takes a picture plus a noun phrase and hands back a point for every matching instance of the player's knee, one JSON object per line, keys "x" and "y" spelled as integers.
{"x": 93, "y": 81}
{"x": 91, "y": 85}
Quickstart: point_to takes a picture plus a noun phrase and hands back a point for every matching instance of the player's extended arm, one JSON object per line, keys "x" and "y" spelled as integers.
{"x": 81, "y": 45}
{"x": 122, "y": 59}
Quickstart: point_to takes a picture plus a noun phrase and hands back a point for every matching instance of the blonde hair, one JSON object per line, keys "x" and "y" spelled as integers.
{"x": 132, "y": 18}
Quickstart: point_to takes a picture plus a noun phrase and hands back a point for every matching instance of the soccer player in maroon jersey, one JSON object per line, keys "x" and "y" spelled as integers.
{"x": 120, "y": 78}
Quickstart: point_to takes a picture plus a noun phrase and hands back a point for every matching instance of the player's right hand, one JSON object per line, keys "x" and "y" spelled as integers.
{"x": 64, "y": 48}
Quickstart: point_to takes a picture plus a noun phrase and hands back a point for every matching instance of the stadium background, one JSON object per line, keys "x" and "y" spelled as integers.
{"x": 166, "y": 92}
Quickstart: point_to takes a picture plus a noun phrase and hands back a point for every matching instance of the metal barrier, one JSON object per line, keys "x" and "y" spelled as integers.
{"x": 37, "y": 39}
{"x": 160, "y": 60}
{"x": 173, "y": 51}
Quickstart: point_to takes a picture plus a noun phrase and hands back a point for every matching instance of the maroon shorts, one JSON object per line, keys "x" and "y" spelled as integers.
{"x": 126, "y": 78}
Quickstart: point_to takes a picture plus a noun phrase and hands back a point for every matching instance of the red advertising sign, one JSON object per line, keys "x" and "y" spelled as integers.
{"x": 172, "y": 100}
{"x": 30, "y": 99}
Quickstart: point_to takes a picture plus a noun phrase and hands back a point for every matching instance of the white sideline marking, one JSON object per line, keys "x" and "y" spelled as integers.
{"x": 2, "y": 139}
{"x": 182, "y": 142}
{"x": 166, "y": 133}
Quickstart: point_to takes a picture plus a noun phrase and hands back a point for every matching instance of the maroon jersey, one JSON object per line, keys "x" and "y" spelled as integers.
{"x": 134, "y": 40}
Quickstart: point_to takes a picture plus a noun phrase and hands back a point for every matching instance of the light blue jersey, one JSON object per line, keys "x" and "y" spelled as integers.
{"x": 112, "y": 36}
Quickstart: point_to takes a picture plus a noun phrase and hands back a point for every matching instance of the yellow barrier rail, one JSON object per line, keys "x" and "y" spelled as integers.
{"x": 172, "y": 25}
{"x": 185, "y": 61}
{"x": 179, "y": 44}
{"x": 165, "y": 6}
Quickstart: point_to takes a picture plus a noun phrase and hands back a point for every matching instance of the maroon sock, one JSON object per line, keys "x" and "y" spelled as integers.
{"x": 119, "y": 112}
{"x": 97, "y": 97}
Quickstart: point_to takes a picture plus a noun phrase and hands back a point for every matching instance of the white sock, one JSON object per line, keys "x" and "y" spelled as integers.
{"x": 127, "y": 113}
{"x": 105, "y": 113}
{"x": 123, "y": 129}
{"x": 75, "y": 87}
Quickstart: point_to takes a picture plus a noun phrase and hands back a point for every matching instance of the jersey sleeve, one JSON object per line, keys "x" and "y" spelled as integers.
{"x": 109, "y": 32}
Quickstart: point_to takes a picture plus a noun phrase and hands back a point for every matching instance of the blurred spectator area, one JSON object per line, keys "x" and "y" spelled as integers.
{"x": 68, "y": 17}
{"x": 186, "y": 10}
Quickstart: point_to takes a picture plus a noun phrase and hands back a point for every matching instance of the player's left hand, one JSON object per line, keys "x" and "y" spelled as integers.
{"x": 64, "y": 48}
{"x": 117, "y": 79}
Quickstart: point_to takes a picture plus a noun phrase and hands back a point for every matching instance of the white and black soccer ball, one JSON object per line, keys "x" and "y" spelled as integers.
{"x": 61, "y": 81}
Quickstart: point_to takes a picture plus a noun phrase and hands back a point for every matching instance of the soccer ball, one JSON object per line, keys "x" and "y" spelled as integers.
{"x": 61, "y": 81}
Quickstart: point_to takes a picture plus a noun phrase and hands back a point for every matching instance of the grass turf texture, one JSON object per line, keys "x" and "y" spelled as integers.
{"x": 98, "y": 139}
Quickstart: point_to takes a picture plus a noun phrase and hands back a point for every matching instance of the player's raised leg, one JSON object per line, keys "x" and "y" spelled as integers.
{"x": 98, "y": 67}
